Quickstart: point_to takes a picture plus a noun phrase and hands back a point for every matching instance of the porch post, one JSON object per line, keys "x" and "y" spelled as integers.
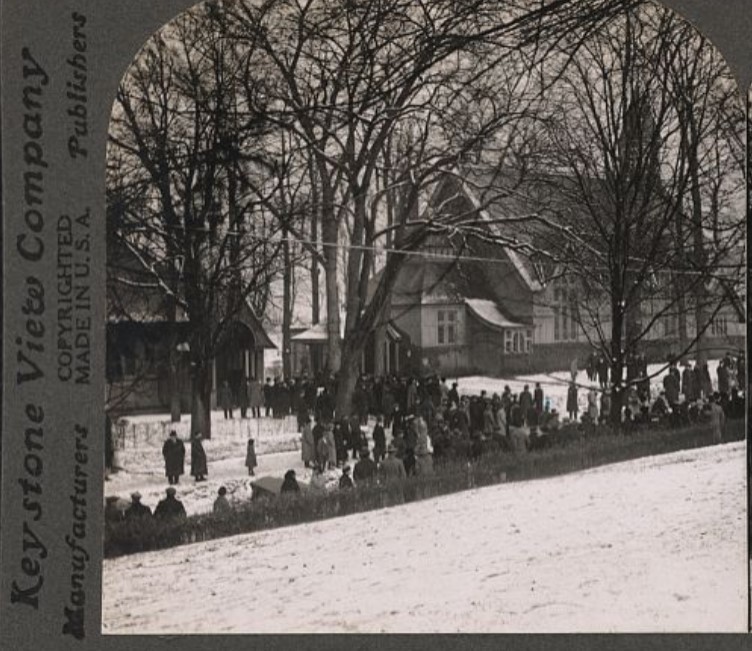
{"x": 214, "y": 384}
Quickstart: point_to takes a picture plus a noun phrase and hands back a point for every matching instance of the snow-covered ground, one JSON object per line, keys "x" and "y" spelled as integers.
{"x": 654, "y": 544}
{"x": 277, "y": 444}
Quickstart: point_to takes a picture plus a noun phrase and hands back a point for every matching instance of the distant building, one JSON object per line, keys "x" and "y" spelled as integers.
{"x": 498, "y": 311}
{"x": 140, "y": 334}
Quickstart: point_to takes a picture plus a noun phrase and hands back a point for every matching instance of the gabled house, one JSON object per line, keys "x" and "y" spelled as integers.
{"x": 475, "y": 306}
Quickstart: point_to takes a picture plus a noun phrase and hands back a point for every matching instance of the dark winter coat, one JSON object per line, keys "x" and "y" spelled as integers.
{"x": 538, "y": 399}
{"x": 345, "y": 482}
{"x": 723, "y": 379}
{"x": 671, "y": 387}
{"x": 290, "y": 485}
{"x": 168, "y": 508}
{"x": 379, "y": 438}
{"x": 221, "y": 505}
{"x": 526, "y": 400}
{"x": 392, "y": 468}
{"x": 244, "y": 395}
{"x": 250, "y": 456}
{"x": 364, "y": 471}
{"x": 173, "y": 452}
{"x": 256, "y": 394}
{"x": 137, "y": 511}
{"x": 572, "y": 399}
{"x": 198, "y": 459}
{"x": 224, "y": 397}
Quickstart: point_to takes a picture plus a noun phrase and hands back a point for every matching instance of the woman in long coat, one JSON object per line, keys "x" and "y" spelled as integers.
{"x": 198, "y": 459}
{"x": 308, "y": 447}
{"x": 330, "y": 445}
{"x": 256, "y": 398}
{"x": 250, "y": 457}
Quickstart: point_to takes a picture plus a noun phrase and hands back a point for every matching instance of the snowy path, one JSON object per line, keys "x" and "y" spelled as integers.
{"x": 655, "y": 544}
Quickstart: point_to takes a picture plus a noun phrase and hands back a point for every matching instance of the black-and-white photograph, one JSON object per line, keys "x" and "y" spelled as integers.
{"x": 426, "y": 317}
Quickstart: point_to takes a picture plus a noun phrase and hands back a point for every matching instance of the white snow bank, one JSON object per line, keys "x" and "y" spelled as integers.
{"x": 654, "y": 544}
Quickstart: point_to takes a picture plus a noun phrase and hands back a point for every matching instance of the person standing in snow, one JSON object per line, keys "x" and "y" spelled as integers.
{"x": 572, "y": 407}
{"x": 224, "y": 398}
{"x": 250, "y": 457}
{"x": 379, "y": 440}
{"x": 198, "y": 458}
{"x": 308, "y": 446}
{"x": 717, "y": 418}
{"x": 173, "y": 452}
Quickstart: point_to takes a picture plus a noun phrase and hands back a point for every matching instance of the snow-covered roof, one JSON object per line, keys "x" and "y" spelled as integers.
{"x": 490, "y": 314}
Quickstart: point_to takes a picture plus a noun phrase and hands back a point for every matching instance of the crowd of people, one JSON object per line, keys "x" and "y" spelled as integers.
{"x": 427, "y": 419}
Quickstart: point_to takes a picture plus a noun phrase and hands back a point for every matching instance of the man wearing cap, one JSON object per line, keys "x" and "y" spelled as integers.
{"x": 170, "y": 507}
{"x": 173, "y": 452}
{"x": 136, "y": 510}
{"x": 365, "y": 469}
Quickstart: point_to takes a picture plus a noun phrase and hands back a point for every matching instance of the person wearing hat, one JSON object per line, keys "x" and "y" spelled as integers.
{"x": 137, "y": 510}
{"x": 221, "y": 504}
{"x": 112, "y": 514}
{"x": 198, "y": 458}
{"x": 173, "y": 452}
{"x": 392, "y": 468}
{"x": 170, "y": 507}
{"x": 365, "y": 468}
{"x": 290, "y": 484}
{"x": 345, "y": 481}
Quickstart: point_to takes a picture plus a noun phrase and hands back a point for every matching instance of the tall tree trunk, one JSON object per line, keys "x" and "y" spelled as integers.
{"x": 331, "y": 267}
{"x": 698, "y": 244}
{"x": 346, "y": 380}
{"x": 286, "y": 309}
{"x": 201, "y": 388}
{"x": 315, "y": 306}
{"x": 617, "y": 352}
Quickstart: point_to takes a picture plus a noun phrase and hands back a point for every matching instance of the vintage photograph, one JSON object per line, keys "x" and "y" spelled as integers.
{"x": 426, "y": 317}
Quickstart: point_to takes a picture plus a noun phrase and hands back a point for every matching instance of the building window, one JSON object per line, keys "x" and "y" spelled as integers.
{"x": 517, "y": 341}
{"x": 670, "y": 326}
{"x": 719, "y": 326}
{"x": 447, "y": 327}
{"x": 565, "y": 311}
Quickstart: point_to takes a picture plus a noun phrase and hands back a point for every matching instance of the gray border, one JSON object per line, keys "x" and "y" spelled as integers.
{"x": 115, "y": 32}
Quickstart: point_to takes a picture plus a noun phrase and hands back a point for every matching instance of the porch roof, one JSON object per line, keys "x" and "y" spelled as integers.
{"x": 489, "y": 314}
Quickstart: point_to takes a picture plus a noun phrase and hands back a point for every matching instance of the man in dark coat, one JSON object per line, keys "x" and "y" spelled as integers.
{"x": 671, "y": 387}
{"x": 224, "y": 397}
{"x": 453, "y": 397}
{"x": 687, "y": 387}
{"x": 244, "y": 397}
{"x": 526, "y": 400}
{"x": 170, "y": 507}
{"x": 268, "y": 391}
{"x": 379, "y": 440}
{"x": 198, "y": 458}
{"x": 538, "y": 398}
{"x": 173, "y": 452}
{"x": 365, "y": 469}
{"x": 136, "y": 510}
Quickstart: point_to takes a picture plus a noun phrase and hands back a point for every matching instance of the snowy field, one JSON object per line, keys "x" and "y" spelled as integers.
{"x": 277, "y": 444}
{"x": 654, "y": 544}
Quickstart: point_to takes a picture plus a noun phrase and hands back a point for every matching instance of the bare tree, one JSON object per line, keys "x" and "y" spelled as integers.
{"x": 185, "y": 134}
{"x": 631, "y": 174}
{"x": 355, "y": 81}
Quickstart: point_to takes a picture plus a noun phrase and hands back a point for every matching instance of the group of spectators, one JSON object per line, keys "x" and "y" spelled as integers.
{"x": 428, "y": 419}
